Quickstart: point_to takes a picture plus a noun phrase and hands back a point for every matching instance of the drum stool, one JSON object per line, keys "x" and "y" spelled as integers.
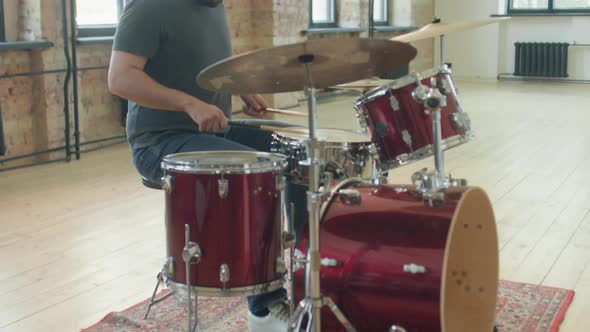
{"x": 160, "y": 278}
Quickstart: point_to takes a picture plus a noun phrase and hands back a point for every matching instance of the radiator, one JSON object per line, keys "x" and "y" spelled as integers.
{"x": 541, "y": 59}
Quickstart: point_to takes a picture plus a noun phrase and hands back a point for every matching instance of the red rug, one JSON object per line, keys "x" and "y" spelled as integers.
{"x": 521, "y": 308}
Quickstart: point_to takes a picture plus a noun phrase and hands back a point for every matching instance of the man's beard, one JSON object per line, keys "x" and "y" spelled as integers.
{"x": 211, "y": 3}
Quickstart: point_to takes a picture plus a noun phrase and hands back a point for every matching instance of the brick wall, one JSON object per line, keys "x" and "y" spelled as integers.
{"x": 32, "y": 107}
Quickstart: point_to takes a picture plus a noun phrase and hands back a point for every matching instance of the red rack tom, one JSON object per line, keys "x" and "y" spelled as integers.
{"x": 401, "y": 128}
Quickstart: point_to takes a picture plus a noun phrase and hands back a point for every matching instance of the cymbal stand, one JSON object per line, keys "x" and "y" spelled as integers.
{"x": 429, "y": 184}
{"x": 442, "y": 50}
{"x": 310, "y": 307}
{"x": 437, "y": 20}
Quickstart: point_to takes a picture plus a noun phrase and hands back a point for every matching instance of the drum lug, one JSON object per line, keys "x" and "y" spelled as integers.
{"x": 394, "y": 103}
{"x": 415, "y": 269}
{"x": 224, "y": 274}
{"x": 407, "y": 138}
{"x": 167, "y": 183}
{"x": 169, "y": 267}
{"x": 222, "y": 187}
{"x": 397, "y": 328}
{"x": 330, "y": 262}
{"x": 350, "y": 196}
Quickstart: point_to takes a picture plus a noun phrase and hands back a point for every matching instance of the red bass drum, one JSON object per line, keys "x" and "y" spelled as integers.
{"x": 389, "y": 260}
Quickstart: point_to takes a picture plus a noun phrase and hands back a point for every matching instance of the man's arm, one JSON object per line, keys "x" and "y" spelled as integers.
{"x": 128, "y": 80}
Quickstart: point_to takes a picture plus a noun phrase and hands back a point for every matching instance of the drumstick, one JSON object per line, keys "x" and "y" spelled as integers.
{"x": 297, "y": 130}
{"x": 285, "y": 112}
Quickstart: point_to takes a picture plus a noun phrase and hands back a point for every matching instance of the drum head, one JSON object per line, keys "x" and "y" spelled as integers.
{"x": 214, "y": 162}
{"x": 329, "y": 135}
{"x": 469, "y": 284}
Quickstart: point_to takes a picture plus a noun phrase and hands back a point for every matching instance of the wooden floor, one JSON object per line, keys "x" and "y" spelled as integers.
{"x": 81, "y": 239}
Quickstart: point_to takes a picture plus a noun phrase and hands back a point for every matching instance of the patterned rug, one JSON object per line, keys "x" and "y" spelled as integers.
{"x": 520, "y": 308}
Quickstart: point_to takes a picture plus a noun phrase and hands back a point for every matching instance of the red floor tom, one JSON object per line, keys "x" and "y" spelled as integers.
{"x": 232, "y": 202}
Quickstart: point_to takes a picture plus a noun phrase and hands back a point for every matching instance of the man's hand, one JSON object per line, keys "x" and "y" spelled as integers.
{"x": 255, "y": 105}
{"x": 209, "y": 117}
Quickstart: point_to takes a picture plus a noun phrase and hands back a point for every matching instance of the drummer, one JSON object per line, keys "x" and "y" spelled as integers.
{"x": 159, "y": 48}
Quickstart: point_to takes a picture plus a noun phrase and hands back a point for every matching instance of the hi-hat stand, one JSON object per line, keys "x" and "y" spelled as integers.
{"x": 310, "y": 307}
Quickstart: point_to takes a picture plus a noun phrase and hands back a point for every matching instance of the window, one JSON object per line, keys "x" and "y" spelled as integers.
{"x": 381, "y": 12}
{"x": 97, "y": 18}
{"x": 92, "y": 12}
{"x": 322, "y": 13}
{"x": 549, "y": 6}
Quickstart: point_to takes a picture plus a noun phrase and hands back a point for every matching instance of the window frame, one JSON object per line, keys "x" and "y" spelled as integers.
{"x": 314, "y": 25}
{"x": 99, "y": 30}
{"x": 549, "y": 10}
{"x": 2, "y": 27}
{"x": 387, "y": 13}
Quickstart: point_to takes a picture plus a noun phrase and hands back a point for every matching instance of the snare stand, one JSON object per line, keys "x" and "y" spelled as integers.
{"x": 313, "y": 302}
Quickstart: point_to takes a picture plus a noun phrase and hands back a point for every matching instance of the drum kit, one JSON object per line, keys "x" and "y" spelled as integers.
{"x": 374, "y": 256}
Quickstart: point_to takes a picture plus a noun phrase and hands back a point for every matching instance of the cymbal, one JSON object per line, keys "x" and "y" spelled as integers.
{"x": 362, "y": 85}
{"x": 440, "y": 29}
{"x": 280, "y": 69}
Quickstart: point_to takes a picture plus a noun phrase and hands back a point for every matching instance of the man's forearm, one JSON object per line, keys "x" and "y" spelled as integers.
{"x": 137, "y": 86}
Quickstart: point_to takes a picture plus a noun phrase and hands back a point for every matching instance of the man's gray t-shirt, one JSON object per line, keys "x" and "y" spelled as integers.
{"x": 179, "y": 38}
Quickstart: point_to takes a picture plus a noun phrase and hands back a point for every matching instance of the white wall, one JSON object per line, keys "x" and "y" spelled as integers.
{"x": 485, "y": 52}
{"x": 548, "y": 29}
{"x": 474, "y": 53}
{"x": 11, "y": 19}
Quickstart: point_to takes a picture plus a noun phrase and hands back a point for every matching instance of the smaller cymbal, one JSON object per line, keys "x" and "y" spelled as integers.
{"x": 440, "y": 29}
{"x": 362, "y": 85}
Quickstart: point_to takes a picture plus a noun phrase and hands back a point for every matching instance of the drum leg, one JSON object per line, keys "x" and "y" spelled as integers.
{"x": 191, "y": 254}
{"x": 339, "y": 314}
{"x": 305, "y": 309}
{"x": 292, "y": 279}
{"x": 153, "y": 299}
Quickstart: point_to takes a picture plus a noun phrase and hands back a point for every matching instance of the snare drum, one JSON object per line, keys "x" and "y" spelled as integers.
{"x": 388, "y": 259}
{"x": 346, "y": 153}
{"x": 232, "y": 202}
{"x": 401, "y": 128}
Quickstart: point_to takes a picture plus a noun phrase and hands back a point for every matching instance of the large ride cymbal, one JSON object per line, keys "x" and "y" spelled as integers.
{"x": 440, "y": 29}
{"x": 281, "y": 69}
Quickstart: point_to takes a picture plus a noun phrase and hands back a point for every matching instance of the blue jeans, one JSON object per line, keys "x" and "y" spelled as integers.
{"x": 147, "y": 161}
